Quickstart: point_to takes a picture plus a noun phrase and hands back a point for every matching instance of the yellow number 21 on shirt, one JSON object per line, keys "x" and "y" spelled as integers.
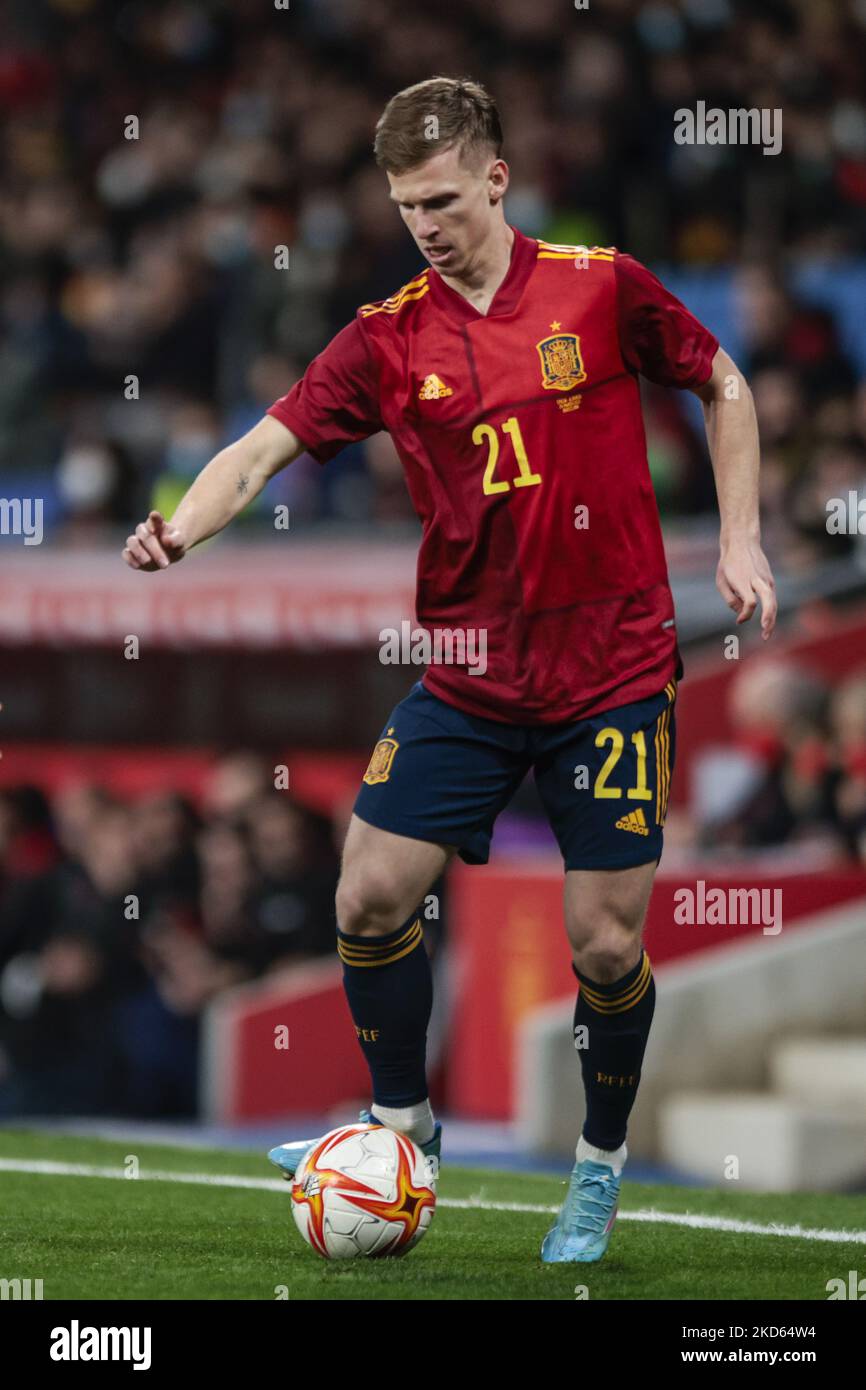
{"x": 525, "y": 476}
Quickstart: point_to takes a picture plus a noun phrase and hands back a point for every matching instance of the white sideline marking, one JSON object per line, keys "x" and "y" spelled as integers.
{"x": 50, "y": 1168}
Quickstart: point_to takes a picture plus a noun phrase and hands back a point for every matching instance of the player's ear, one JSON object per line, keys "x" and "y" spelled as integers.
{"x": 497, "y": 180}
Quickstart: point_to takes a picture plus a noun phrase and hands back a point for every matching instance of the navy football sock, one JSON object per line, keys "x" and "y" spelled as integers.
{"x": 617, "y": 1020}
{"x": 389, "y": 987}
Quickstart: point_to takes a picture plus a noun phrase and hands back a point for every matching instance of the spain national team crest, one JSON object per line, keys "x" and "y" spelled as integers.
{"x": 561, "y": 362}
{"x": 379, "y": 769}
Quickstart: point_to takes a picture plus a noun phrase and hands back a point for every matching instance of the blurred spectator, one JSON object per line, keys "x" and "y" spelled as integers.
{"x": 120, "y": 927}
{"x": 29, "y": 859}
{"x": 237, "y": 780}
{"x": 164, "y": 828}
{"x": 848, "y": 724}
{"x": 63, "y": 958}
{"x": 780, "y": 781}
{"x": 838, "y": 468}
{"x": 294, "y": 854}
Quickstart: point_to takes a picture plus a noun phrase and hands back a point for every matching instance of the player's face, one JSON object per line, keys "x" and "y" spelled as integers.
{"x": 451, "y": 207}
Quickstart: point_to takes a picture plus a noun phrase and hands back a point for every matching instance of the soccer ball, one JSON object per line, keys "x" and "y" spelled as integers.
{"x": 363, "y": 1190}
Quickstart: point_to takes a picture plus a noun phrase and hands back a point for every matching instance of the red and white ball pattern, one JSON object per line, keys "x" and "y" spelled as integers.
{"x": 363, "y": 1190}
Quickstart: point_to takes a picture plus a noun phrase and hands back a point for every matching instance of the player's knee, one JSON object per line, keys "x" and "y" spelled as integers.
{"x": 606, "y": 966}
{"x": 606, "y": 948}
{"x": 367, "y": 900}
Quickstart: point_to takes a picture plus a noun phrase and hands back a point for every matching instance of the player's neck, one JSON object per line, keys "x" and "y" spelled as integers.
{"x": 488, "y": 272}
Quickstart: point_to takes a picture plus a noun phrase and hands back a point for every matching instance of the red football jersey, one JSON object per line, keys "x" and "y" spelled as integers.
{"x": 522, "y": 439}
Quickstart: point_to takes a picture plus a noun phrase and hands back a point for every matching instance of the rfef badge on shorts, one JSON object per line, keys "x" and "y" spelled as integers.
{"x": 379, "y": 766}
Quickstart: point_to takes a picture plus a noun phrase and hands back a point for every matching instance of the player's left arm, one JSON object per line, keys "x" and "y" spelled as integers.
{"x": 743, "y": 576}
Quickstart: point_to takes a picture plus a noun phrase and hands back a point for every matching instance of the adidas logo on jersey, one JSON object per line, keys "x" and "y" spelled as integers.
{"x": 635, "y": 821}
{"x": 434, "y": 388}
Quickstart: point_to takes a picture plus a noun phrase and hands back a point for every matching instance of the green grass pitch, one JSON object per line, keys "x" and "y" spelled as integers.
{"x": 101, "y": 1237}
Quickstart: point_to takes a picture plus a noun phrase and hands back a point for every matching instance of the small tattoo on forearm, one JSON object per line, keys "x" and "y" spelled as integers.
{"x": 243, "y": 480}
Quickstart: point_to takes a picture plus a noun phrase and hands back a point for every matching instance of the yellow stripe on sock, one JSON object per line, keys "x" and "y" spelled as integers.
{"x": 619, "y": 1003}
{"x": 364, "y": 955}
{"x": 347, "y": 950}
{"x": 373, "y": 946}
{"x": 623, "y": 993}
{"x": 601, "y": 1008}
{"x": 387, "y": 960}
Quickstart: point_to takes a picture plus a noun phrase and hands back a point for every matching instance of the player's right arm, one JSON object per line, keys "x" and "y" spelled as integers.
{"x": 223, "y": 488}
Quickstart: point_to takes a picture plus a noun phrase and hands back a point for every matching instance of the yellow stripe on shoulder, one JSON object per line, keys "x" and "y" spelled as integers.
{"x": 563, "y": 250}
{"x": 413, "y": 289}
{"x": 554, "y": 251}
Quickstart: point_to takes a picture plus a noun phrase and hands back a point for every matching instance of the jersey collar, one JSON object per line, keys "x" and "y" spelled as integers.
{"x": 524, "y": 251}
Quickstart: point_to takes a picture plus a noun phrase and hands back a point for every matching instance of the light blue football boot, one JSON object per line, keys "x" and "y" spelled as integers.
{"x": 288, "y": 1157}
{"x": 583, "y": 1227}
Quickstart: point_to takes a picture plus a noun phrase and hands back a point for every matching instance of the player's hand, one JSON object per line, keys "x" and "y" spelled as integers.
{"x": 744, "y": 580}
{"x": 155, "y": 545}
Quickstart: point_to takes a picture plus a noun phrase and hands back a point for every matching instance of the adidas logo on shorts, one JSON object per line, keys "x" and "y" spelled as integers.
{"x": 635, "y": 821}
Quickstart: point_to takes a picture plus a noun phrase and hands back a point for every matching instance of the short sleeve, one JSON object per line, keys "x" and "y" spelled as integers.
{"x": 658, "y": 336}
{"x": 336, "y": 401}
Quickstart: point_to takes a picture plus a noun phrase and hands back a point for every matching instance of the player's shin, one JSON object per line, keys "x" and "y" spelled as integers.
{"x": 612, "y": 1023}
{"x": 389, "y": 989}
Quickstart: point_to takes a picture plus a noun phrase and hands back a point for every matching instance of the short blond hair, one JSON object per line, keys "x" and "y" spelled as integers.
{"x": 465, "y": 115}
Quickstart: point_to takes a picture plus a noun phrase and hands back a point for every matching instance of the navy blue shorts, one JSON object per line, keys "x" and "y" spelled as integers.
{"x": 442, "y": 775}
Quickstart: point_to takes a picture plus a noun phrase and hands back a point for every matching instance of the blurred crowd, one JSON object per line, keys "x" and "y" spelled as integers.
{"x": 810, "y": 402}
{"x": 120, "y": 920}
{"x": 144, "y": 323}
{"x": 795, "y": 770}
{"x": 811, "y": 411}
